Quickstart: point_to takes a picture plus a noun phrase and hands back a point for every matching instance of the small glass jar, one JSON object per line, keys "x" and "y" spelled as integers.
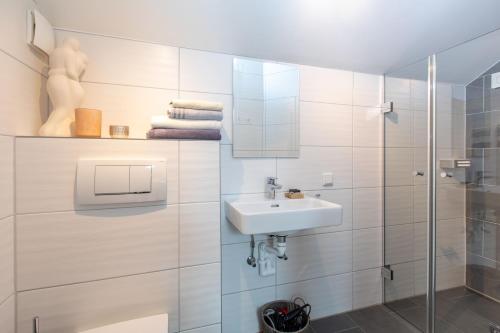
{"x": 118, "y": 131}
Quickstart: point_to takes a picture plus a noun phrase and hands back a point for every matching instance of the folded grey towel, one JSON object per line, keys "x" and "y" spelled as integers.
{"x": 194, "y": 134}
{"x": 193, "y": 114}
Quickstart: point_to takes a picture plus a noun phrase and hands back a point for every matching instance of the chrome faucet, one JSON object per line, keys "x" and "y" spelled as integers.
{"x": 272, "y": 186}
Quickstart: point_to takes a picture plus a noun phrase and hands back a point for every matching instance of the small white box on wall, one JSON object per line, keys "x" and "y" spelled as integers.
{"x": 104, "y": 182}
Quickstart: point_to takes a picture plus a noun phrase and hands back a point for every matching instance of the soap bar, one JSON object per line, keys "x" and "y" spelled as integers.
{"x": 292, "y": 195}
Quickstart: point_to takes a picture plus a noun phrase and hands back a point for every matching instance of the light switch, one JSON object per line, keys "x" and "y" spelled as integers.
{"x": 327, "y": 179}
{"x": 140, "y": 178}
{"x": 111, "y": 179}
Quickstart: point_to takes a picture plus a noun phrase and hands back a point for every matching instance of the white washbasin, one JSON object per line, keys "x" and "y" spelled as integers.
{"x": 282, "y": 216}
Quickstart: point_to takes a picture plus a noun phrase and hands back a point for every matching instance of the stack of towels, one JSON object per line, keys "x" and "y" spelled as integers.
{"x": 189, "y": 119}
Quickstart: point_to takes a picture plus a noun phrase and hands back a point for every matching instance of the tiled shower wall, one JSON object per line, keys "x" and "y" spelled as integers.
{"x": 406, "y": 193}
{"x": 483, "y": 209}
{"x": 21, "y": 108}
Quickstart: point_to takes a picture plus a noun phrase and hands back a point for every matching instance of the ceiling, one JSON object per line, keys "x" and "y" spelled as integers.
{"x": 373, "y": 36}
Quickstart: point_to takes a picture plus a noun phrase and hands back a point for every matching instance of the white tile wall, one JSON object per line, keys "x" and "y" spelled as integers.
{"x": 323, "y": 124}
{"x": 332, "y": 294}
{"x": 199, "y": 171}
{"x": 339, "y": 111}
{"x": 6, "y": 176}
{"x": 8, "y": 315}
{"x": 22, "y": 96}
{"x": 316, "y": 256}
{"x": 95, "y": 244}
{"x": 6, "y": 258}
{"x": 199, "y": 233}
{"x": 306, "y": 172}
{"x": 367, "y": 288}
{"x": 82, "y": 306}
{"x": 367, "y": 248}
{"x": 88, "y": 256}
{"x": 239, "y": 310}
{"x": 206, "y": 72}
{"x": 127, "y": 105}
{"x": 326, "y": 85}
{"x": 367, "y": 208}
{"x": 147, "y": 64}
{"x": 367, "y": 127}
{"x": 46, "y": 168}
{"x": 200, "y": 296}
{"x": 244, "y": 175}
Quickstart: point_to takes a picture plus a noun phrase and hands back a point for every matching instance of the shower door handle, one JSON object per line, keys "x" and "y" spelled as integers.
{"x": 418, "y": 173}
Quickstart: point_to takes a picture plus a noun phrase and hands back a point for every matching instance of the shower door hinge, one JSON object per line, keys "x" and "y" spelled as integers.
{"x": 388, "y": 107}
{"x": 387, "y": 272}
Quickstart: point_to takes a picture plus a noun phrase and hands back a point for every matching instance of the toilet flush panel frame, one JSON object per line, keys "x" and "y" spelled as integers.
{"x": 104, "y": 182}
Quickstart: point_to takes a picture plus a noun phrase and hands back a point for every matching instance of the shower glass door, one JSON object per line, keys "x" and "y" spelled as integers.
{"x": 405, "y": 192}
{"x": 462, "y": 101}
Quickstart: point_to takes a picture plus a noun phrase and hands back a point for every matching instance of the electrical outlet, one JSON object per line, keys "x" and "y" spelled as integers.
{"x": 327, "y": 179}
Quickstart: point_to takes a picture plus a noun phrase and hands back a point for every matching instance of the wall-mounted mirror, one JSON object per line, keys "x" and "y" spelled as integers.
{"x": 266, "y": 109}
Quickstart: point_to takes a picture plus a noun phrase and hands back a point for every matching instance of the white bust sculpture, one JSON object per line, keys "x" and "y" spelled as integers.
{"x": 67, "y": 64}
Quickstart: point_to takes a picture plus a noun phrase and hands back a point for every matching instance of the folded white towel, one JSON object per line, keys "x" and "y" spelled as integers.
{"x": 167, "y": 122}
{"x": 196, "y": 104}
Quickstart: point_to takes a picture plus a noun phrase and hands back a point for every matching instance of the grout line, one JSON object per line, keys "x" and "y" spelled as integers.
{"x": 25, "y": 64}
{"x": 14, "y": 210}
{"x": 129, "y": 85}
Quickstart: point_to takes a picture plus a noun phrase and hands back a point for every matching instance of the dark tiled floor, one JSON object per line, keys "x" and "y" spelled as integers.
{"x": 458, "y": 311}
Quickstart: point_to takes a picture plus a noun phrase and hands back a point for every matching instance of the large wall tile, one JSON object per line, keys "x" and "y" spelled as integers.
{"x": 398, "y": 128}
{"x": 13, "y": 33}
{"x": 450, "y": 201}
{"x": 367, "y": 208}
{"x": 227, "y": 100}
{"x": 237, "y": 275}
{"x": 398, "y": 205}
{"x": 245, "y": 175}
{"x": 206, "y": 72}
{"x": 398, "y": 244}
{"x": 367, "y": 248}
{"x": 200, "y": 288}
{"x": 128, "y": 62}
{"x": 398, "y": 166}
{"x": 83, "y": 306}
{"x": 403, "y": 286}
{"x": 367, "y": 167}
{"x": 6, "y": 258}
{"x": 315, "y": 256}
{"x": 328, "y": 295}
{"x": 8, "y": 315}
{"x": 6, "y": 176}
{"x": 46, "y": 168}
{"x": 325, "y": 85}
{"x": 367, "y": 288}
{"x": 22, "y": 96}
{"x": 397, "y": 90}
{"x": 127, "y": 105}
{"x": 306, "y": 172}
{"x": 199, "y": 171}
{"x": 240, "y": 310}
{"x": 367, "y": 89}
{"x": 199, "y": 226}
{"x": 69, "y": 247}
{"x": 323, "y": 124}
{"x": 367, "y": 127}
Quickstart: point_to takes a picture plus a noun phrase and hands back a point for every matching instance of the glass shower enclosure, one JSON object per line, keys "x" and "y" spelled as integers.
{"x": 442, "y": 189}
